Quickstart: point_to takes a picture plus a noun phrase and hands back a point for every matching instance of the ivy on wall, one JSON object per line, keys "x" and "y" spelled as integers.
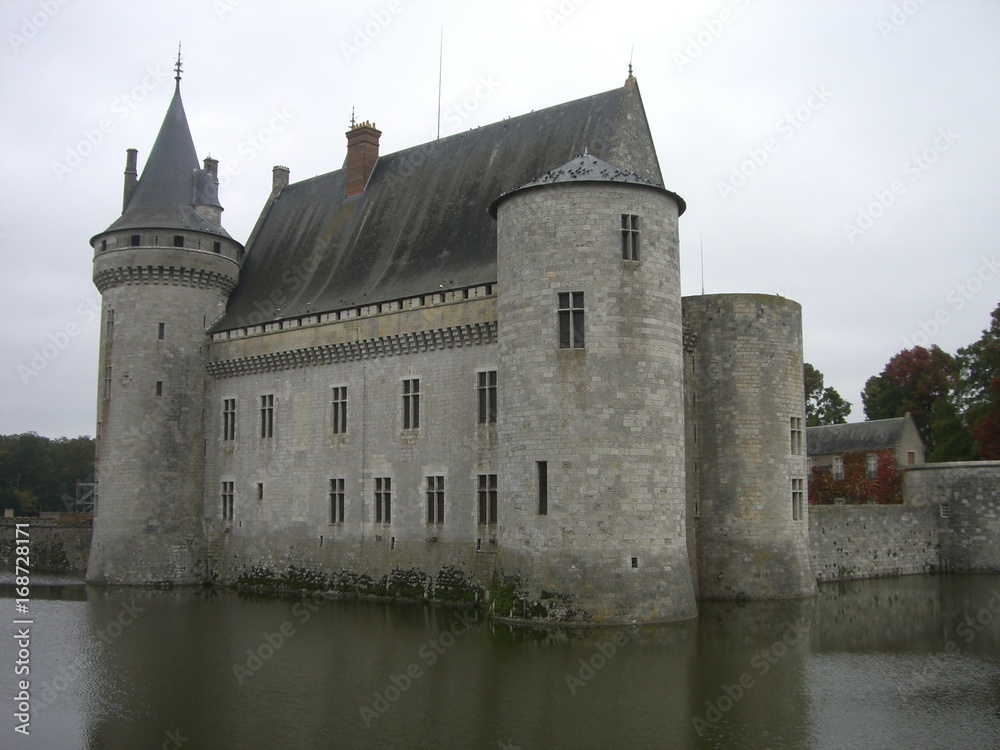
{"x": 885, "y": 488}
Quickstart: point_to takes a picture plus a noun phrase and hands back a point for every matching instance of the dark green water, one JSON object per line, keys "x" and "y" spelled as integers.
{"x": 895, "y": 663}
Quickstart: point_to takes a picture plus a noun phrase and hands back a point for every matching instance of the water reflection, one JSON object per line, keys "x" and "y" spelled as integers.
{"x": 866, "y": 664}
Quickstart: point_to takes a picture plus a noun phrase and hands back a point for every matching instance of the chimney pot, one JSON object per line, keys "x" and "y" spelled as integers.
{"x": 362, "y": 153}
{"x": 131, "y": 176}
{"x": 279, "y": 179}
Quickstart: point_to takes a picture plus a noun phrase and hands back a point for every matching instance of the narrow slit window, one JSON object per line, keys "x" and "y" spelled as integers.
{"x": 542, "y": 468}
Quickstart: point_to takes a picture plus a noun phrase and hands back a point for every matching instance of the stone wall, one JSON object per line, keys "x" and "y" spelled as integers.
{"x": 55, "y": 547}
{"x": 872, "y": 541}
{"x": 970, "y": 494}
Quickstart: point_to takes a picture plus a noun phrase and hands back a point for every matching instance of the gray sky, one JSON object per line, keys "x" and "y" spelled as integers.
{"x": 837, "y": 152}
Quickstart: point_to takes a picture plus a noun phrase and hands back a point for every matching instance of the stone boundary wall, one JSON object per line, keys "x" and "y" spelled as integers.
{"x": 872, "y": 541}
{"x": 970, "y": 494}
{"x": 55, "y": 547}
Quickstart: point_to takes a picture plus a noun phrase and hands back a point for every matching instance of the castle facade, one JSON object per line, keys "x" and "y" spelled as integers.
{"x": 460, "y": 371}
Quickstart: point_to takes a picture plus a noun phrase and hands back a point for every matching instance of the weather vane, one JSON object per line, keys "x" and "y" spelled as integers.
{"x": 177, "y": 65}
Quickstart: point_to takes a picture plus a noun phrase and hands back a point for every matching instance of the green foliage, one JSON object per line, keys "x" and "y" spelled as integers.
{"x": 823, "y": 405}
{"x": 913, "y": 381}
{"x": 978, "y": 390}
{"x": 951, "y": 437}
{"x": 857, "y": 487}
{"x": 39, "y": 474}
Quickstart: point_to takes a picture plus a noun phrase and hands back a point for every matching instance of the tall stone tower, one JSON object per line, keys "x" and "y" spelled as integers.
{"x": 165, "y": 269}
{"x": 746, "y": 448}
{"x": 591, "y": 456}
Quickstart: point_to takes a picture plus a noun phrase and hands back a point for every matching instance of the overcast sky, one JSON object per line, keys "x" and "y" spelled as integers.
{"x": 841, "y": 153}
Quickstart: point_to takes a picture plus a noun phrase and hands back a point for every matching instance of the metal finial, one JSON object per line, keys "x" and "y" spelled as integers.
{"x": 354, "y": 122}
{"x": 177, "y": 65}
{"x": 630, "y": 61}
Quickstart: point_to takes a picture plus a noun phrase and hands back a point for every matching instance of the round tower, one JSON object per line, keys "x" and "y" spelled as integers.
{"x": 164, "y": 270}
{"x": 746, "y": 446}
{"x": 590, "y": 430}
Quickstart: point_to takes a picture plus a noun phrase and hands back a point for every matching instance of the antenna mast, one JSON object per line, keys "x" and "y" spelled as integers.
{"x": 440, "y": 69}
{"x": 703, "y": 262}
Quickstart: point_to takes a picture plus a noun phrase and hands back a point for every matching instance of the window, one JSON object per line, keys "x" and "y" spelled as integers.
{"x": 798, "y": 500}
{"x": 340, "y": 410}
{"x": 159, "y": 387}
{"x": 337, "y": 500}
{"x": 267, "y": 416}
{"x": 383, "y": 499}
{"x": 135, "y": 240}
{"x": 109, "y": 329}
{"x": 630, "y": 237}
{"x": 911, "y": 458}
{"x": 871, "y": 461}
{"x": 796, "y": 436}
{"x": 229, "y": 419}
{"x": 435, "y": 499}
{"x": 104, "y": 245}
{"x": 107, "y": 382}
{"x": 260, "y": 491}
{"x": 411, "y": 403}
{"x": 227, "y": 500}
{"x": 217, "y": 247}
{"x": 487, "y": 388}
{"x": 178, "y": 240}
{"x": 838, "y": 467}
{"x": 488, "y": 499}
{"x": 542, "y": 468}
{"x": 571, "y": 320}
{"x": 161, "y": 330}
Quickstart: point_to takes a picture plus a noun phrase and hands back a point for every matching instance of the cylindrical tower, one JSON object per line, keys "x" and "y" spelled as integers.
{"x": 590, "y": 427}
{"x": 164, "y": 269}
{"x": 746, "y": 446}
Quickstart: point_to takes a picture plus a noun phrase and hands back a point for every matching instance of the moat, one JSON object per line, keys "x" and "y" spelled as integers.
{"x": 910, "y": 662}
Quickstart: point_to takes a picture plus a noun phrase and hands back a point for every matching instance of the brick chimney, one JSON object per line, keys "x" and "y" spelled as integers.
{"x": 362, "y": 153}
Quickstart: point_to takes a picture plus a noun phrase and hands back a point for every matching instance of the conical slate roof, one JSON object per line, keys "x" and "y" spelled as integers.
{"x": 586, "y": 168}
{"x": 172, "y": 182}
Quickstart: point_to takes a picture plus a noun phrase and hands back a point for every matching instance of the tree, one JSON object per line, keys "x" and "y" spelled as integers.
{"x": 38, "y": 474}
{"x": 823, "y": 405}
{"x": 978, "y": 391}
{"x": 913, "y": 381}
{"x": 950, "y": 434}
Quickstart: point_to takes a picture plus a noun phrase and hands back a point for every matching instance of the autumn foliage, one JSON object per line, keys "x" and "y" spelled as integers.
{"x": 885, "y": 488}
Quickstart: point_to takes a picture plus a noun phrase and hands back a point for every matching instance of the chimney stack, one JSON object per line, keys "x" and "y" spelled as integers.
{"x": 131, "y": 176}
{"x": 279, "y": 179}
{"x": 362, "y": 153}
{"x": 212, "y": 167}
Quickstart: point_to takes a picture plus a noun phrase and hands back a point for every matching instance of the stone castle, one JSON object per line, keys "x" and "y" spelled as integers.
{"x": 463, "y": 370}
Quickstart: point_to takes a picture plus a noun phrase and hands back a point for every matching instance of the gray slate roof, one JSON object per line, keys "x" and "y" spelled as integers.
{"x": 422, "y": 225}
{"x": 878, "y": 434}
{"x": 172, "y": 182}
